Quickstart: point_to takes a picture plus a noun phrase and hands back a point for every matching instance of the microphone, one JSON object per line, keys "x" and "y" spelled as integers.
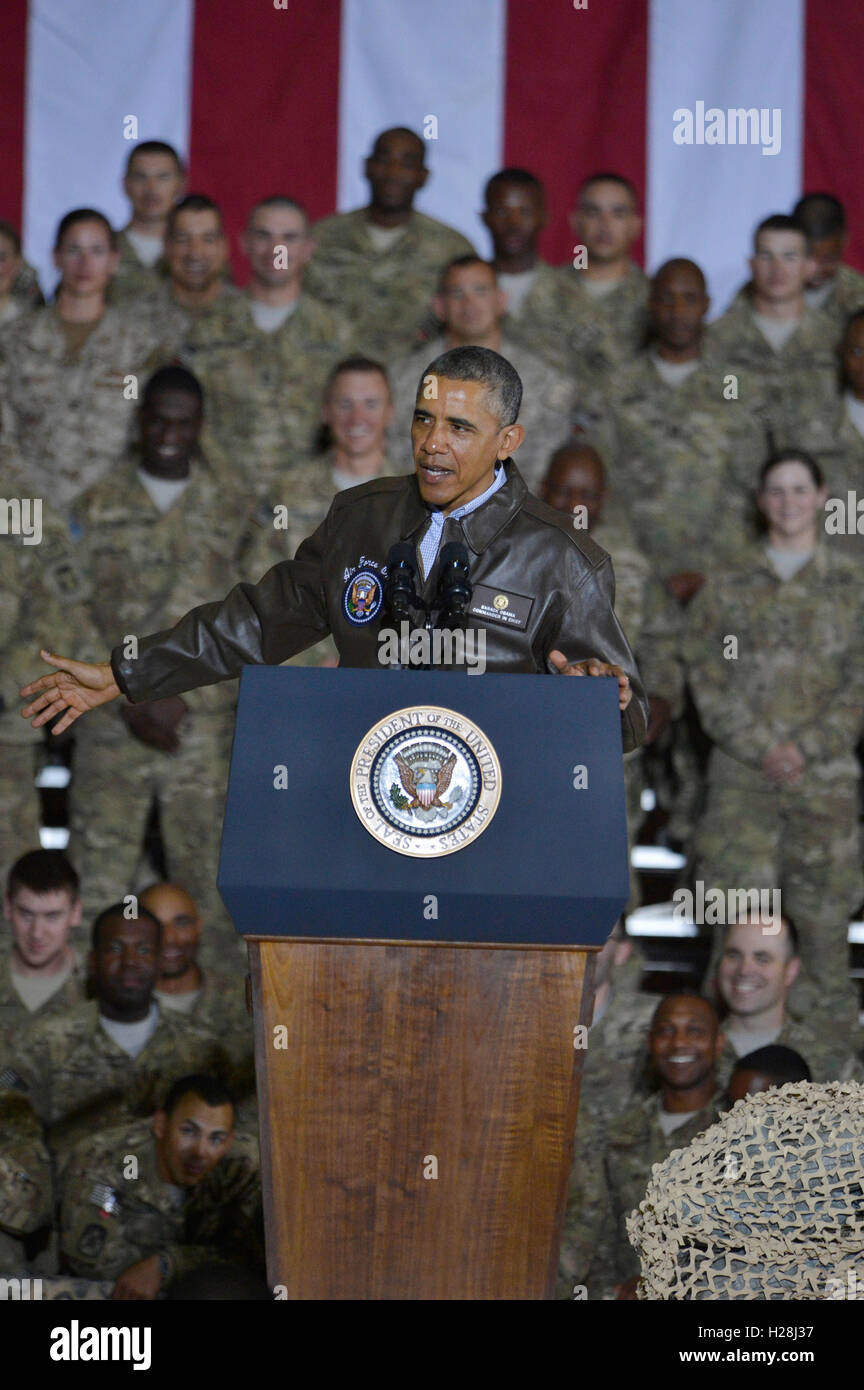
{"x": 454, "y": 582}
{"x": 400, "y": 591}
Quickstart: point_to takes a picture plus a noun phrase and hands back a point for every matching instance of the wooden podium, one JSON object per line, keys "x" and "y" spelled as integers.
{"x": 419, "y": 1022}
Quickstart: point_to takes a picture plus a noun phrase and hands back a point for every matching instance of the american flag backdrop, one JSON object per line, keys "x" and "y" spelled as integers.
{"x": 268, "y": 96}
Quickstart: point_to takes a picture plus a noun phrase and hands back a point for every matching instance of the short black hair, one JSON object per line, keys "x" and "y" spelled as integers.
{"x": 399, "y": 130}
{"x": 524, "y": 177}
{"x": 155, "y": 147}
{"x": 792, "y": 456}
{"x": 7, "y": 230}
{"x": 779, "y": 222}
{"x": 855, "y": 317}
{"x": 460, "y": 262}
{"x": 193, "y": 202}
{"x": 172, "y": 378}
{"x": 43, "y": 871}
{"x": 71, "y": 219}
{"x": 493, "y": 371}
{"x": 211, "y": 1089}
{"x": 821, "y": 215}
{"x": 780, "y": 1063}
{"x": 686, "y": 993}
{"x": 279, "y": 200}
{"x": 118, "y": 910}
{"x": 606, "y": 176}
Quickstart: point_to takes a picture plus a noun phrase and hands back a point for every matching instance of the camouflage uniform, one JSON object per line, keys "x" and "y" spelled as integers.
{"x": 609, "y": 1176}
{"x": 783, "y": 387}
{"x": 66, "y": 418}
{"x": 557, "y": 331}
{"x": 667, "y": 451}
{"x": 622, "y": 314}
{"x": 547, "y": 410}
{"x": 616, "y": 1046}
{"x": 26, "y": 1193}
{"x": 799, "y": 677}
{"x": 76, "y": 1075}
{"x": 220, "y": 1012}
{"x": 41, "y": 604}
{"x": 827, "y": 1060}
{"x": 846, "y": 295}
{"x": 26, "y": 287}
{"x": 263, "y": 391}
{"x": 384, "y": 294}
{"x": 145, "y": 568}
{"x": 14, "y": 1012}
{"x": 133, "y": 279}
{"x": 110, "y": 1220}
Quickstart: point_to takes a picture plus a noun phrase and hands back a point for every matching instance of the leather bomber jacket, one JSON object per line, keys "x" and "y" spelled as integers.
{"x": 538, "y": 584}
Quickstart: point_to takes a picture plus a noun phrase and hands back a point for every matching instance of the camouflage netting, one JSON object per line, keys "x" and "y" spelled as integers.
{"x": 767, "y": 1204}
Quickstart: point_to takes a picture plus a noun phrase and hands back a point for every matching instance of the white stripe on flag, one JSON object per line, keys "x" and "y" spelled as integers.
{"x": 403, "y": 61}
{"x": 704, "y": 199}
{"x": 90, "y": 64}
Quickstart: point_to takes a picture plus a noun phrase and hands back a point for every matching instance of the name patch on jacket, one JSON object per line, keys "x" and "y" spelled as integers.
{"x": 501, "y": 606}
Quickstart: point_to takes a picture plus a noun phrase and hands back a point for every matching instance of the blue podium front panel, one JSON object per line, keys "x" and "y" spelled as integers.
{"x": 550, "y": 866}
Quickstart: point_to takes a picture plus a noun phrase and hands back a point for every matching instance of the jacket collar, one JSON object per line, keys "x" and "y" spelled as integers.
{"x": 481, "y": 526}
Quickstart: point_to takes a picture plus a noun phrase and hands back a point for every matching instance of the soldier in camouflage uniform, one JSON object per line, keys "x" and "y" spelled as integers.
{"x": 154, "y": 181}
{"x": 264, "y": 355}
{"x": 69, "y": 372}
{"x": 162, "y": 532}
{"x": 214, "y": 1000}
{"x": 41, "y": 976}
{"x": 573, "y": 343}
{"x": 380, "y": 264}
{"x": 781, "y": 353}
{"x": 147, "y": 1203}
{"x": 776, "y": 668}
{"x": 575, "y": 482}
{"x": 26, "y": 1191}
{"x": 603, "y": 285}
{"x": 755, "y": 973}
{"x": 196, "y": 257}
{"x": 73, "y": 1068}
{"x": 356, "y": 413}
{"x": 611, "y": 1168}
{"x": 41, "y": 601}
{"x": 472, "y": 308}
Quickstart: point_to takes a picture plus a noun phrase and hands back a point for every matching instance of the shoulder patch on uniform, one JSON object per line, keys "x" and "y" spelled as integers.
{"x": 91, "y": 1241}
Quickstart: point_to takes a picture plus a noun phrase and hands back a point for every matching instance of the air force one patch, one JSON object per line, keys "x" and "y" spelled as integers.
{"x": 363, "y": 596}
{"x": 425, "y": 781}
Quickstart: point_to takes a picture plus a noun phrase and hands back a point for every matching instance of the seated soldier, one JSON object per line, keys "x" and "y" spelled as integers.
{"x": 755, "y": 973}
{"x": 472, "y": 307}
{"x": 42, "y": 975}
{"x": 608, "y": 1179}
{"x": 147, "y": 1202}
{"x": 26, "y": 1194}
{"x": 763, "y": 1068}
{"x": 103, "y": 1061}
{"x": 214, "y": 1001}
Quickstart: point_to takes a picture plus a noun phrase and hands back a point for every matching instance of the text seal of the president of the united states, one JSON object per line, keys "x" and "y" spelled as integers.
{"x": 425, "y": 781}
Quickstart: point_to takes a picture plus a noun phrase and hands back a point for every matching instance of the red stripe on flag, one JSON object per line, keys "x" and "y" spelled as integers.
{"x": 832, "y": 127}
{"x": 13, "y": 71}
{"x": 265, "y": 107}
{"x": 576, "y": 100}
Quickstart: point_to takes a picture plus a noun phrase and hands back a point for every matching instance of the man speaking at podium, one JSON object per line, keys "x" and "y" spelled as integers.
{"x": 539, "y": 589}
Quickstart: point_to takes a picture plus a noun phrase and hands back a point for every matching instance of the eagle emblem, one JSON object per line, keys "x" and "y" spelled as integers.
{"x": 424, "y": 785}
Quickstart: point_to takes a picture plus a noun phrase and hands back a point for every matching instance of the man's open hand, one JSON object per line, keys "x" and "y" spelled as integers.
{"x": 71, "y": 690}
{"x": 593, "y": 667}
{"x": 140, "y": 1281}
